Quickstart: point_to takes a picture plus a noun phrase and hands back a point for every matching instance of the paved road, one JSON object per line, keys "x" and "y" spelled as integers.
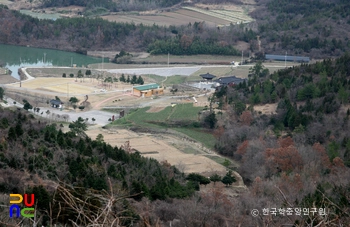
{"x": 100, "y": 116}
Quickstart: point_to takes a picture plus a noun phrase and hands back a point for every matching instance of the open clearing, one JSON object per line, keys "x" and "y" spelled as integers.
{"x": 212, "y": 15}
{"x": 150, "y": 146}
{"x": 189, "y": 148}
{"x": 186, "y": 59}
{"x": 186, "y": 71}
{"x": 61, "y": 85}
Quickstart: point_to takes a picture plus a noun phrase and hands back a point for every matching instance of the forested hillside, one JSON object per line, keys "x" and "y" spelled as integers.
{"x": 313, "y": 105}
{"x": 113, "y": 5}
{"x": 40, "y": 158}
{"x": 300, "y": 151}
{"x": 316, "y": 28}
{"x": 295, "y": 161}
{"x": 82, "y": 34}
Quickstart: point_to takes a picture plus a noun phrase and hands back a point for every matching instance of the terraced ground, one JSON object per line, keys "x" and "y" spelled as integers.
{"x": 185, "y": 15}
{"x": 235, "y": 17}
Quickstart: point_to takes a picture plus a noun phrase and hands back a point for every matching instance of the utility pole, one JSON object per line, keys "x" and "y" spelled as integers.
{"x": 44, "y": 58}
{"x": 102, "y": 60}
{"x": 242, "y": 58}
{"x": 168, "y": 59}
{"x": 259, "y": 43}
{"x": 71, "y": 61}
{"x": 285, "y": 60}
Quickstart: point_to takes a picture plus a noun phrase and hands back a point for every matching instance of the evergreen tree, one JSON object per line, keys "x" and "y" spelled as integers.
{"x": 134, "y": 79}
{"x": 78, "y": 127}
{"x": 228, "y": 179}
{"x": 215, "y": 178}
{"x": 122, "y": 78}
{"x": 140, "y": 80}
{"x": 211, "y": 120}
{"x": 1, "y": 93}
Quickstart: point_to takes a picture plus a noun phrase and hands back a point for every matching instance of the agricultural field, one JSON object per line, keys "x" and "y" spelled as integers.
{"x": 40, "y": 15}
{"x": 212, "y": 16}
{"x": 178, "y": 112}
{"x": 144, "y": 117}
{"x": 162, "y": 148}
{"x": 235, "y": 17}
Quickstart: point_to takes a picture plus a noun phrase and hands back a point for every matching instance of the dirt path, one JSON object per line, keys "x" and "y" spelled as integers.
{"x": 108, "y": 99}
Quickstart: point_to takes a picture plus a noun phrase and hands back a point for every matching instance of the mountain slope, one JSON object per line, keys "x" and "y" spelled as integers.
{"x": 315, "y": 28}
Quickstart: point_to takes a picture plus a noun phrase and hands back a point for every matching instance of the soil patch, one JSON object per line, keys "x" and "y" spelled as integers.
{"x": 267, "y": 109}
{"x": 7, "y": 79}
{"x": 155, "y": 109}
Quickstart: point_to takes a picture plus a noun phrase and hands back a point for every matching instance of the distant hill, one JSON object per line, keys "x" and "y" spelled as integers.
{"x": 317, "y": 28}
{"x": 114, "y": 5}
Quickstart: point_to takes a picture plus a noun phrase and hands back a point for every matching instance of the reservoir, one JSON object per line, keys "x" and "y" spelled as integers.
{"x": 14, "y": 57}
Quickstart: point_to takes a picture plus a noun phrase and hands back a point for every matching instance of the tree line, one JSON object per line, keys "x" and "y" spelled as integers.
{"x": 82, "y": 33}
{"x": 112, "y": 5}
{"x": 79, "y": 164}
{"x": 319, "y": 33}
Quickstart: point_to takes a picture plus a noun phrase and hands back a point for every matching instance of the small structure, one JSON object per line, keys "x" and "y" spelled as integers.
{"x": 287, "y": 58}
{"x": 207, "y": 76}
{"x": 147, "y": 90}
{"x": 56, "y": 103}
{"x": 3, "y": 71}
{"x": 228, "y": 81}
{"x": 121, "y": 114}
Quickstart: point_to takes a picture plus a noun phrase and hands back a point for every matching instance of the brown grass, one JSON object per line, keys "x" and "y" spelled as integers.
{"x": 6, "y": 79}
{"x": 178, "y": 17}
{"x": 159, "y": 149}
{"x": 155, "y": 109}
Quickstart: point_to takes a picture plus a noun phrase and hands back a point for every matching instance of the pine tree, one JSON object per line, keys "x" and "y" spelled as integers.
{"x": 140, "y": 80}
{"x": 122, "y": 78}
{"x": 134, "y": 79}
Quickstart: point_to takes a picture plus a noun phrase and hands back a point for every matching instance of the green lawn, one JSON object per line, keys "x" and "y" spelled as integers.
{"x": 179, "y": 112}
{"x": 184, "y": 112}
{"x": 207, "y": 139}
{"x": 217, "y": 71}
{"x": 167, "y": 81}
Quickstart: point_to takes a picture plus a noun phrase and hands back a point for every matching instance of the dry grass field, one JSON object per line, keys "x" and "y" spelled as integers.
{"x": 160, "y": 149}
{"x": 60, "y": 85}
{"x": 73, "y": 87}
{"x": 4, "y": 2}
{"x": 6, "y": 79}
